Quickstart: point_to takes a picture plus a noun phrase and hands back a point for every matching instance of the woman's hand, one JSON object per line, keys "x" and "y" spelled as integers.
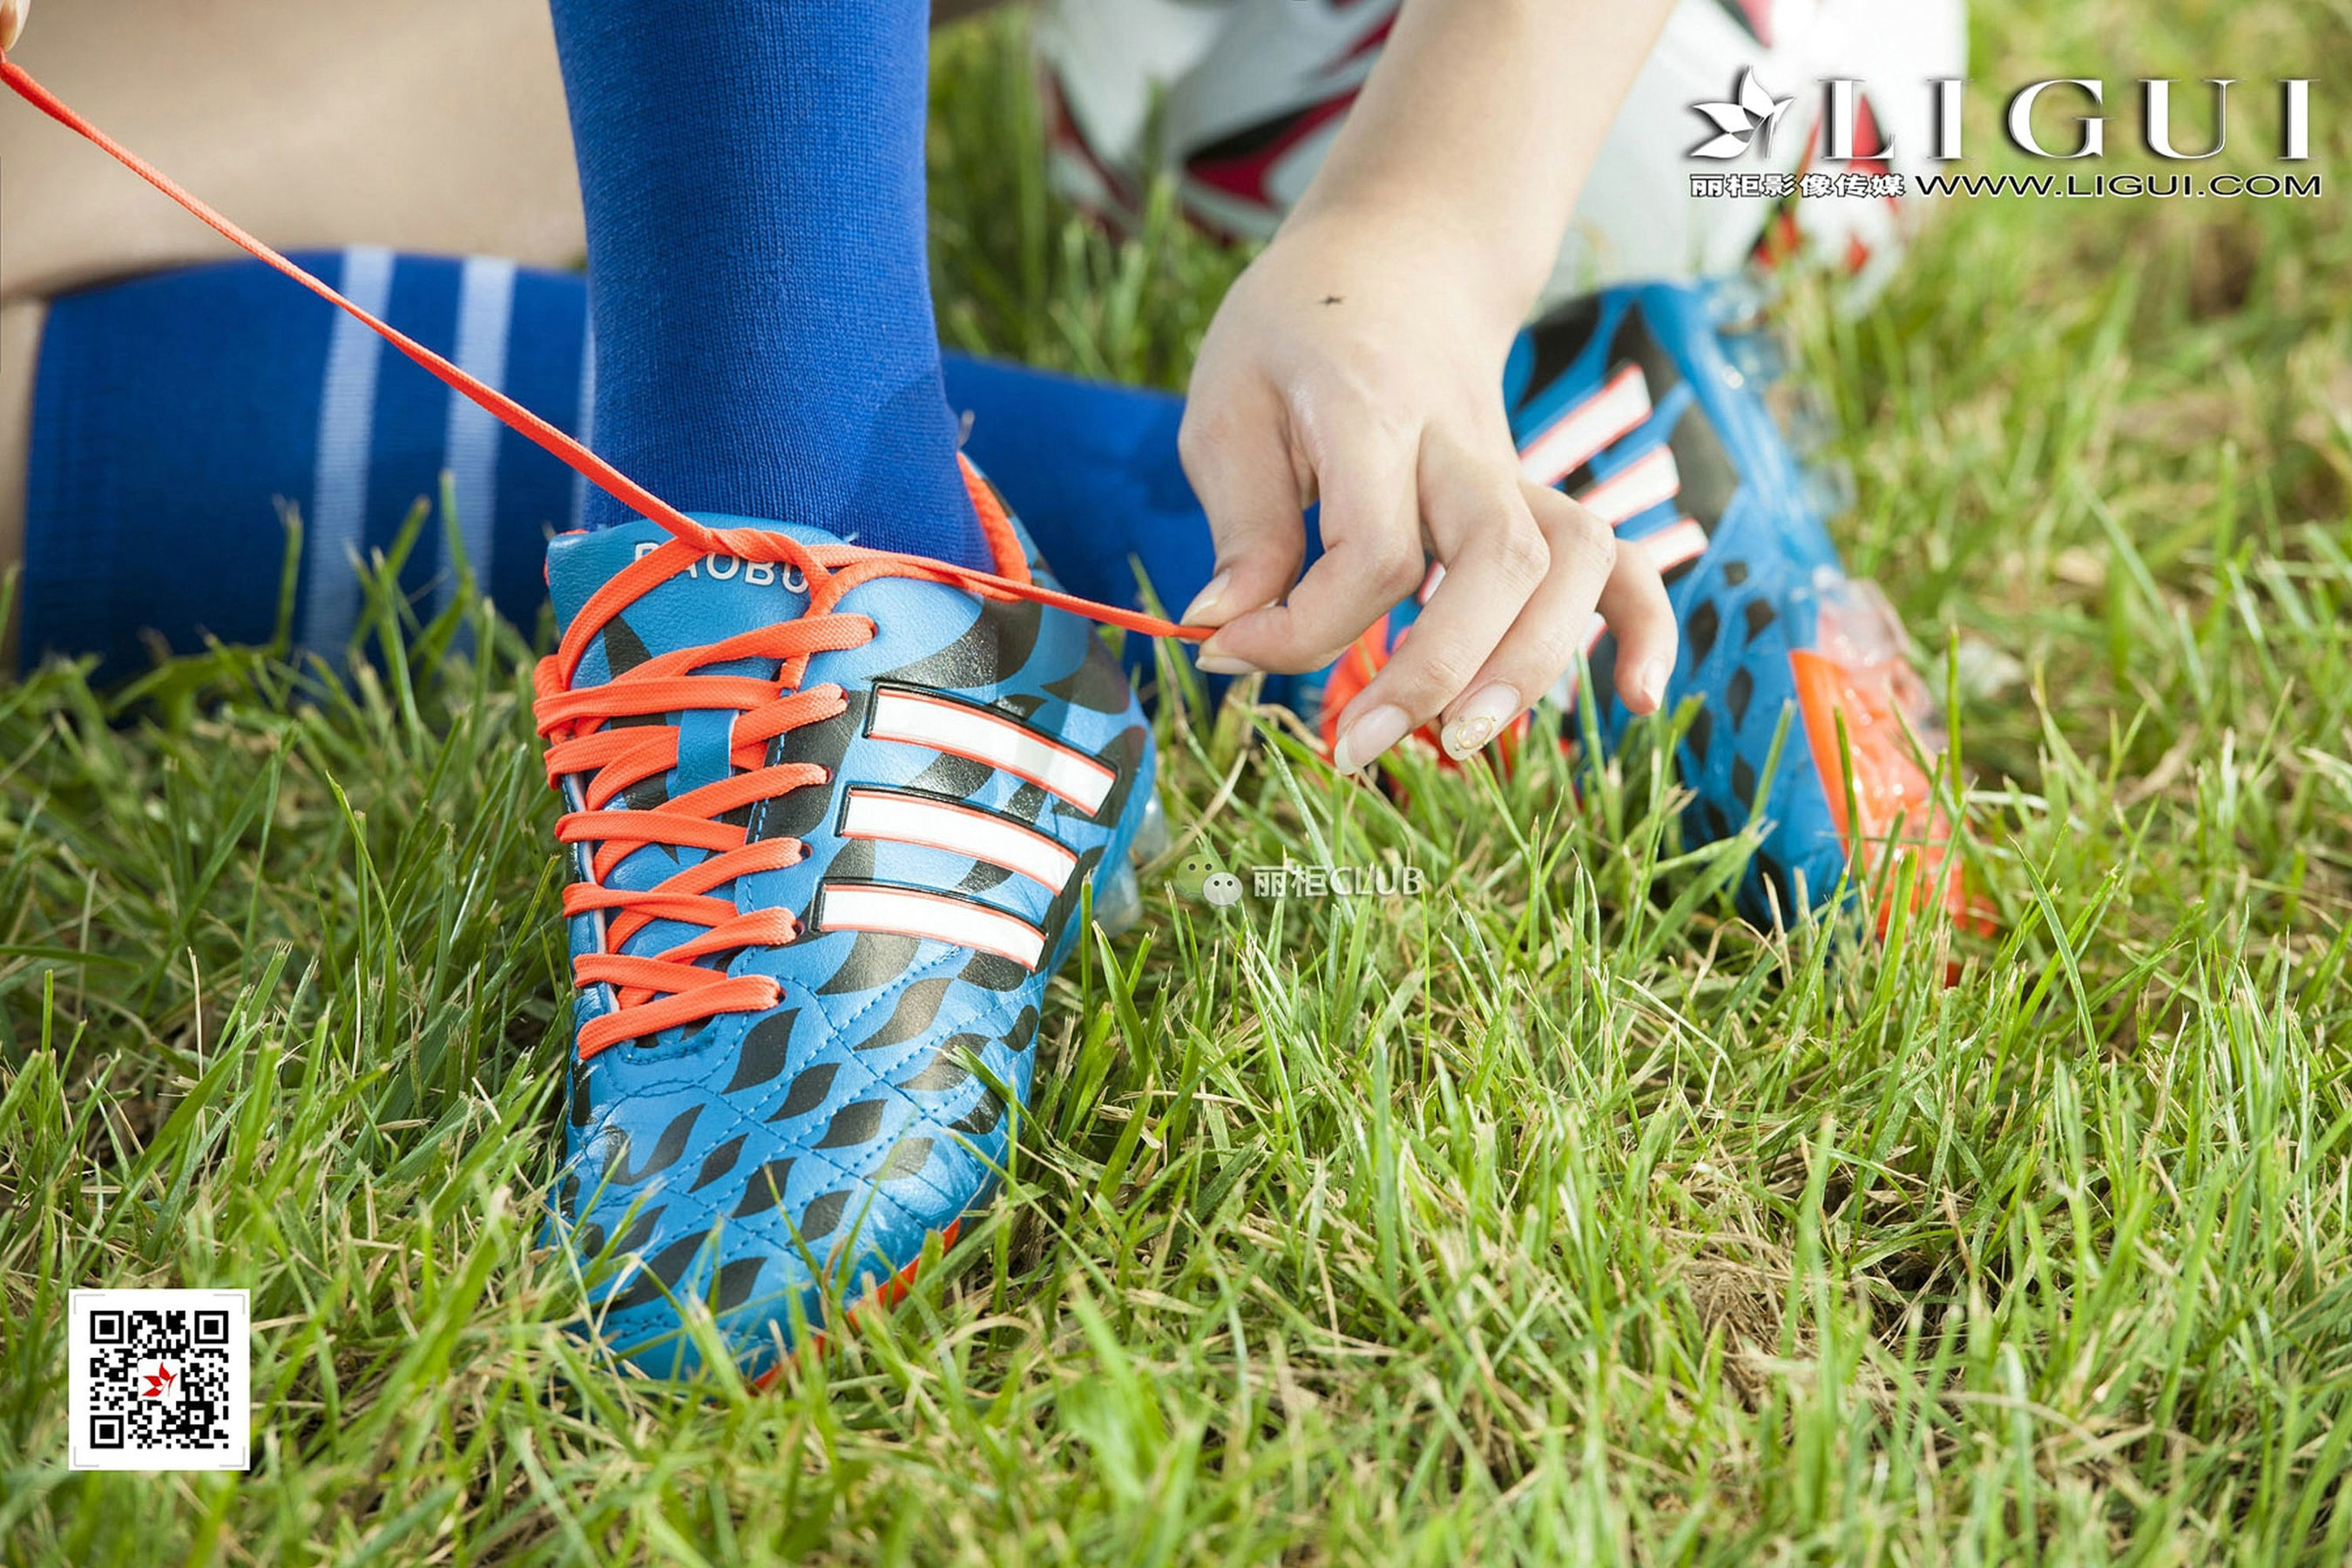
{"x": 1358, "y": 361}
{"x": 1364, "y": 368}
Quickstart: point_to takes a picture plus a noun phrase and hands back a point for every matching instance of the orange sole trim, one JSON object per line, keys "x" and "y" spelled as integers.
{"x": 1888, "y": 792}
{"x": 883, "y": 1297}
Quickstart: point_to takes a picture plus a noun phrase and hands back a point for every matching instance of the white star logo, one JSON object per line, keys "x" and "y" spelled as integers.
{"x": 1749, "y": 118}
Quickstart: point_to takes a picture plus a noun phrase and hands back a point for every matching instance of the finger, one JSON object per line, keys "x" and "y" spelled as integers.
{"x": 1553, "y": 626}
{"x": 1237, "y": 456}
{"x": 1635, "y": 606}
{"x": 1372, "y": 555}
{"x": 1496, "y": 559}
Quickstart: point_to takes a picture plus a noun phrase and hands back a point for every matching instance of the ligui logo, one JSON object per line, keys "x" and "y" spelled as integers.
{"x": 1753, "y": 112}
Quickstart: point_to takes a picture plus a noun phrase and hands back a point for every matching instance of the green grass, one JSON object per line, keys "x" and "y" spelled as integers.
{"x": 1554, "y": 1216}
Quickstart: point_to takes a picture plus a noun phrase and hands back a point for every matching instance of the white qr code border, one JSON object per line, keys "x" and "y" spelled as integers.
{"x": 104, "y": 1333}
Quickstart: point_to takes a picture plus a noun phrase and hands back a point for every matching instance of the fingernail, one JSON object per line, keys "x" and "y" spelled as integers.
{"x": 12, "y": 21}
{"x": 1217, "y": 659}
{"x": 1208, "y": 601}
{"x": 1367, "y": 737}
{"x": 1489, "y": 711}
{"x": 1652, "y": 682}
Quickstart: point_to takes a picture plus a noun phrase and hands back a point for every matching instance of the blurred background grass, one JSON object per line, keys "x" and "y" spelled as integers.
{"x": 1557, "y": 1217}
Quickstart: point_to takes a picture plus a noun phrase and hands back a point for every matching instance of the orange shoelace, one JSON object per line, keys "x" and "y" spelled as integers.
{"x": 585, "y": 741}
{"x": 670, "y": 988}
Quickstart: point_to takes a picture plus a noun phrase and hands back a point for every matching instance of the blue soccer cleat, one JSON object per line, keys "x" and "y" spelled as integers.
{"x": 1633, "y": 402}
{"x": 829, "y": 847}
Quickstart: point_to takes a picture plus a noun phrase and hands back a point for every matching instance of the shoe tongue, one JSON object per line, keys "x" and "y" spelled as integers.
{"x": 718, "y": 597}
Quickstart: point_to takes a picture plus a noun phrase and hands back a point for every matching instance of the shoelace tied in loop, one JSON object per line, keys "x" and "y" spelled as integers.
{"x": 669, "y": 988}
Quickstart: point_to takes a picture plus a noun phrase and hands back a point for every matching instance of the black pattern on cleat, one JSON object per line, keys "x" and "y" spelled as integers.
{"x": 1699, "y": 629}
{"x": 981, "y": 877}
{"x": 960, "y": 778}
{"x": 1023, "y": 1033}
{"x": 1735, "y": 573}
{"x": 1702, "y": 729}
{"x": 946, "y": 1068}
{"x": 853, "y": 862}
{"x": 1559, "y": 338}
{"x": 875, "y": 960}
{"x": 766, "y": 1047}
{"x": 1099, "y": 683}
{"x": 991, "y": 973}
{"x": 735, "y": 1282}
{"x": 1735, "y": 694}
{"x": 765, "y": 1190}
{"x": 624, "y": 651}
{"x": 1019, "y": 704}
{"x": 1026, "y": 803}
{"x": 1124, "y": 757}
{"x": 583, "y": 1104}
{"x": 639, "y": 1231}
{"x": 1759, "y": 616}
{"x": 624, "y": 648}
{"x": 1708, "y": 477}
{"x": 1000, "y": 639}
{"x": 1603, "y": 665}
{"x": 854, "y": 1123}
{"x": 1634, "y": 342}
{"x": 907, "y": 1157}
{"x": 1743, "y": 779}
{"x": 984, "y": 1116}
{"x": 808, "y": 1091}
{"x": 823, "y": 1215}
{"x": 917, "y": 1005}
{"x": 659, "y": 1275}
{"x": 644, "y": 794}
{"x": 1064, "y": 905}
{"x": 796, "y": 813}
{"x": 667, "y": 1149}
{"x": 717, "y": 1163}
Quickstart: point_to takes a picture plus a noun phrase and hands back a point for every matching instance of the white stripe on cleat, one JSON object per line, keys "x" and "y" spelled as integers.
{"x": 903, "y": 817}
{"x": 909, "y": 911}
{"x": 983, "y": 735}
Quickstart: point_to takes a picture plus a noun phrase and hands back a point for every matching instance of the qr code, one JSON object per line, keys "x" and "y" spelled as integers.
{"x": 159, "y": 1380}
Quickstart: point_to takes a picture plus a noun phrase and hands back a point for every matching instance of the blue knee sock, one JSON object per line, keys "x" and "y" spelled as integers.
{"x": 754, "y": 180}
{"x": 171, "y": 414}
